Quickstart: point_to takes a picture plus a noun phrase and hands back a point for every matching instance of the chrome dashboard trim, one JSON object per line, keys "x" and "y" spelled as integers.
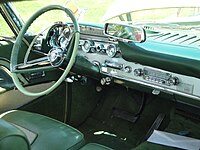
{"x": 163, "y": 89}
{"x": 121, "y": 75}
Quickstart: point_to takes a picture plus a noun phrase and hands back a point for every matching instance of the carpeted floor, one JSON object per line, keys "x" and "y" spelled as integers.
{"x": 177, "y": 124}
{"x": 101, "y": 127}
{"x": 92, "y": 114}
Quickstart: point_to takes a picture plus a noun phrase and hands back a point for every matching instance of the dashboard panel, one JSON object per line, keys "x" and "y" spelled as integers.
{"x": 120, "y": 62}
{"x": 120, "y": 70}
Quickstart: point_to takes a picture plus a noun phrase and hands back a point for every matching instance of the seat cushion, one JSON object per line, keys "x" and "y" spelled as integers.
{"x": 11, "y": 138}
{"x": 94, "y": 146}
{"x": 45, "y": 133}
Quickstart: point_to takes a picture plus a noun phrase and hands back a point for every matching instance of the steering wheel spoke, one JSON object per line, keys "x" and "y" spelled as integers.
{"x": 39, "y": 64}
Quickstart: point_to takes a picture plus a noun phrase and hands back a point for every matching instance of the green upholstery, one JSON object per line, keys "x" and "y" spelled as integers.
{"x": 95, "y": 146}
{"x": 50, "y": 134}
{"x": 11, "y": 138}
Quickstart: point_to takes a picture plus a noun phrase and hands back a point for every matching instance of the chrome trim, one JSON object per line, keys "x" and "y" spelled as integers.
{"x": 163, "y": 89}
{"x": 6, "y": 70}
{"x": 15, "y": 15}
{"x": 143, "y": 37}
{"x": 15, "y": 23}
{"x": 36, "y": 62}
{"x": 5, "y": 113}
{"x": 6, "y": 65}
{"x": 6, "y": 10}
{"x": 122, "y": 76}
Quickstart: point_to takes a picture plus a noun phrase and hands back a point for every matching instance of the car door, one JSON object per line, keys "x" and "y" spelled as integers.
{"x": 10, "y": 98}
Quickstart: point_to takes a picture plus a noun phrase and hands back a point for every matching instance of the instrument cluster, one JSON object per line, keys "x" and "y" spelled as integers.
{"x": 91, "y": 46}
{"x": 93, "y": 40}
{"x": 59, "y": 35}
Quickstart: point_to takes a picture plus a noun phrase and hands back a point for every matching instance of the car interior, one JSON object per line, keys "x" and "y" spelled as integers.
{"x": 97, "y": 87}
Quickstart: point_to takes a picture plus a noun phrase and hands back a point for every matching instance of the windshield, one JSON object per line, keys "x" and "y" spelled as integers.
{"x": 84, "y": 10}
{"x": 153, "y": 12}
{"x": 102, "y": 10}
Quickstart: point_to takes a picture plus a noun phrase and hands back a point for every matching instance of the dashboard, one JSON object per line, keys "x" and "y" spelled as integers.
{"x": 114, "y": 62}
{"x": 105, "y": 52}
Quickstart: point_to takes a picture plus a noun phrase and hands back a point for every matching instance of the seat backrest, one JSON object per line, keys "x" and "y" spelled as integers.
{"x": 11, "y": 138}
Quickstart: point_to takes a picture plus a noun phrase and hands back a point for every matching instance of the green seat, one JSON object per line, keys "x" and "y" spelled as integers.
{"x": 37, "y": 132}
{"x": 94, "y": 146}
{"x": 11, "y": 137}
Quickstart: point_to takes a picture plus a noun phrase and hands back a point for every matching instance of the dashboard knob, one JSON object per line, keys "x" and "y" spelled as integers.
{"x": 100, "y": 47}
{"x": 111, "y": 50}
{"x": 138, "y": 72}
{"x": 173, "y": 81}
{"x": 87, "y": 46}
{"x": 127, "y": 69}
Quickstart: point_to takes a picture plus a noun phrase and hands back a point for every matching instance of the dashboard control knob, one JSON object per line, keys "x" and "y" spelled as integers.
{"x": 111, "y": 50}
{"x": 87, "y": 45}
{"x": 127, "y": 69}
{"x": 100, "y": 47}
{"x": 138, "y": 72}
{"x": 173, "y": 81}
{"x": 93, "y": 49}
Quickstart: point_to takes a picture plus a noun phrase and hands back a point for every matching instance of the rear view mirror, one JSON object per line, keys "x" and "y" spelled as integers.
{"x": 125, "y": 32}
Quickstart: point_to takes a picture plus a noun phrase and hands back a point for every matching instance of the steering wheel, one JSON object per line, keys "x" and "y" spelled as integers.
{"x": 55, "y": 53}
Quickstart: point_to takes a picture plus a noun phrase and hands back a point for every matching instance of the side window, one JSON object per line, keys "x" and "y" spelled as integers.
{"x": 5, "y": 29}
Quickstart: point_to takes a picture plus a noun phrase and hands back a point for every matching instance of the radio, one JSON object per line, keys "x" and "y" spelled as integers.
{"x": 156, "y": 76}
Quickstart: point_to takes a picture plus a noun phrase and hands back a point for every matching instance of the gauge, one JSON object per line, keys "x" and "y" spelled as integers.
{"x": 65, "y": 37}
{"x": 87, "y": 45}
{"x": 59, "y": 35}
{"x": 63, "y": 42}
{"x": 111, "y": 50}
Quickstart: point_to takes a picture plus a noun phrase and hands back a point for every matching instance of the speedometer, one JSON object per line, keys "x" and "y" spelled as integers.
{"x": 65, "y": 37}
{"x": 59, "y": 35}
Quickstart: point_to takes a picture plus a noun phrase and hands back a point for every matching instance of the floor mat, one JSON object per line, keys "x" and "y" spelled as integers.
{"x": 182, "y": 125}
{"x": 178, "y": 125}
{"x": 103, "y": 133}
{"x": 117, "y": 133}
